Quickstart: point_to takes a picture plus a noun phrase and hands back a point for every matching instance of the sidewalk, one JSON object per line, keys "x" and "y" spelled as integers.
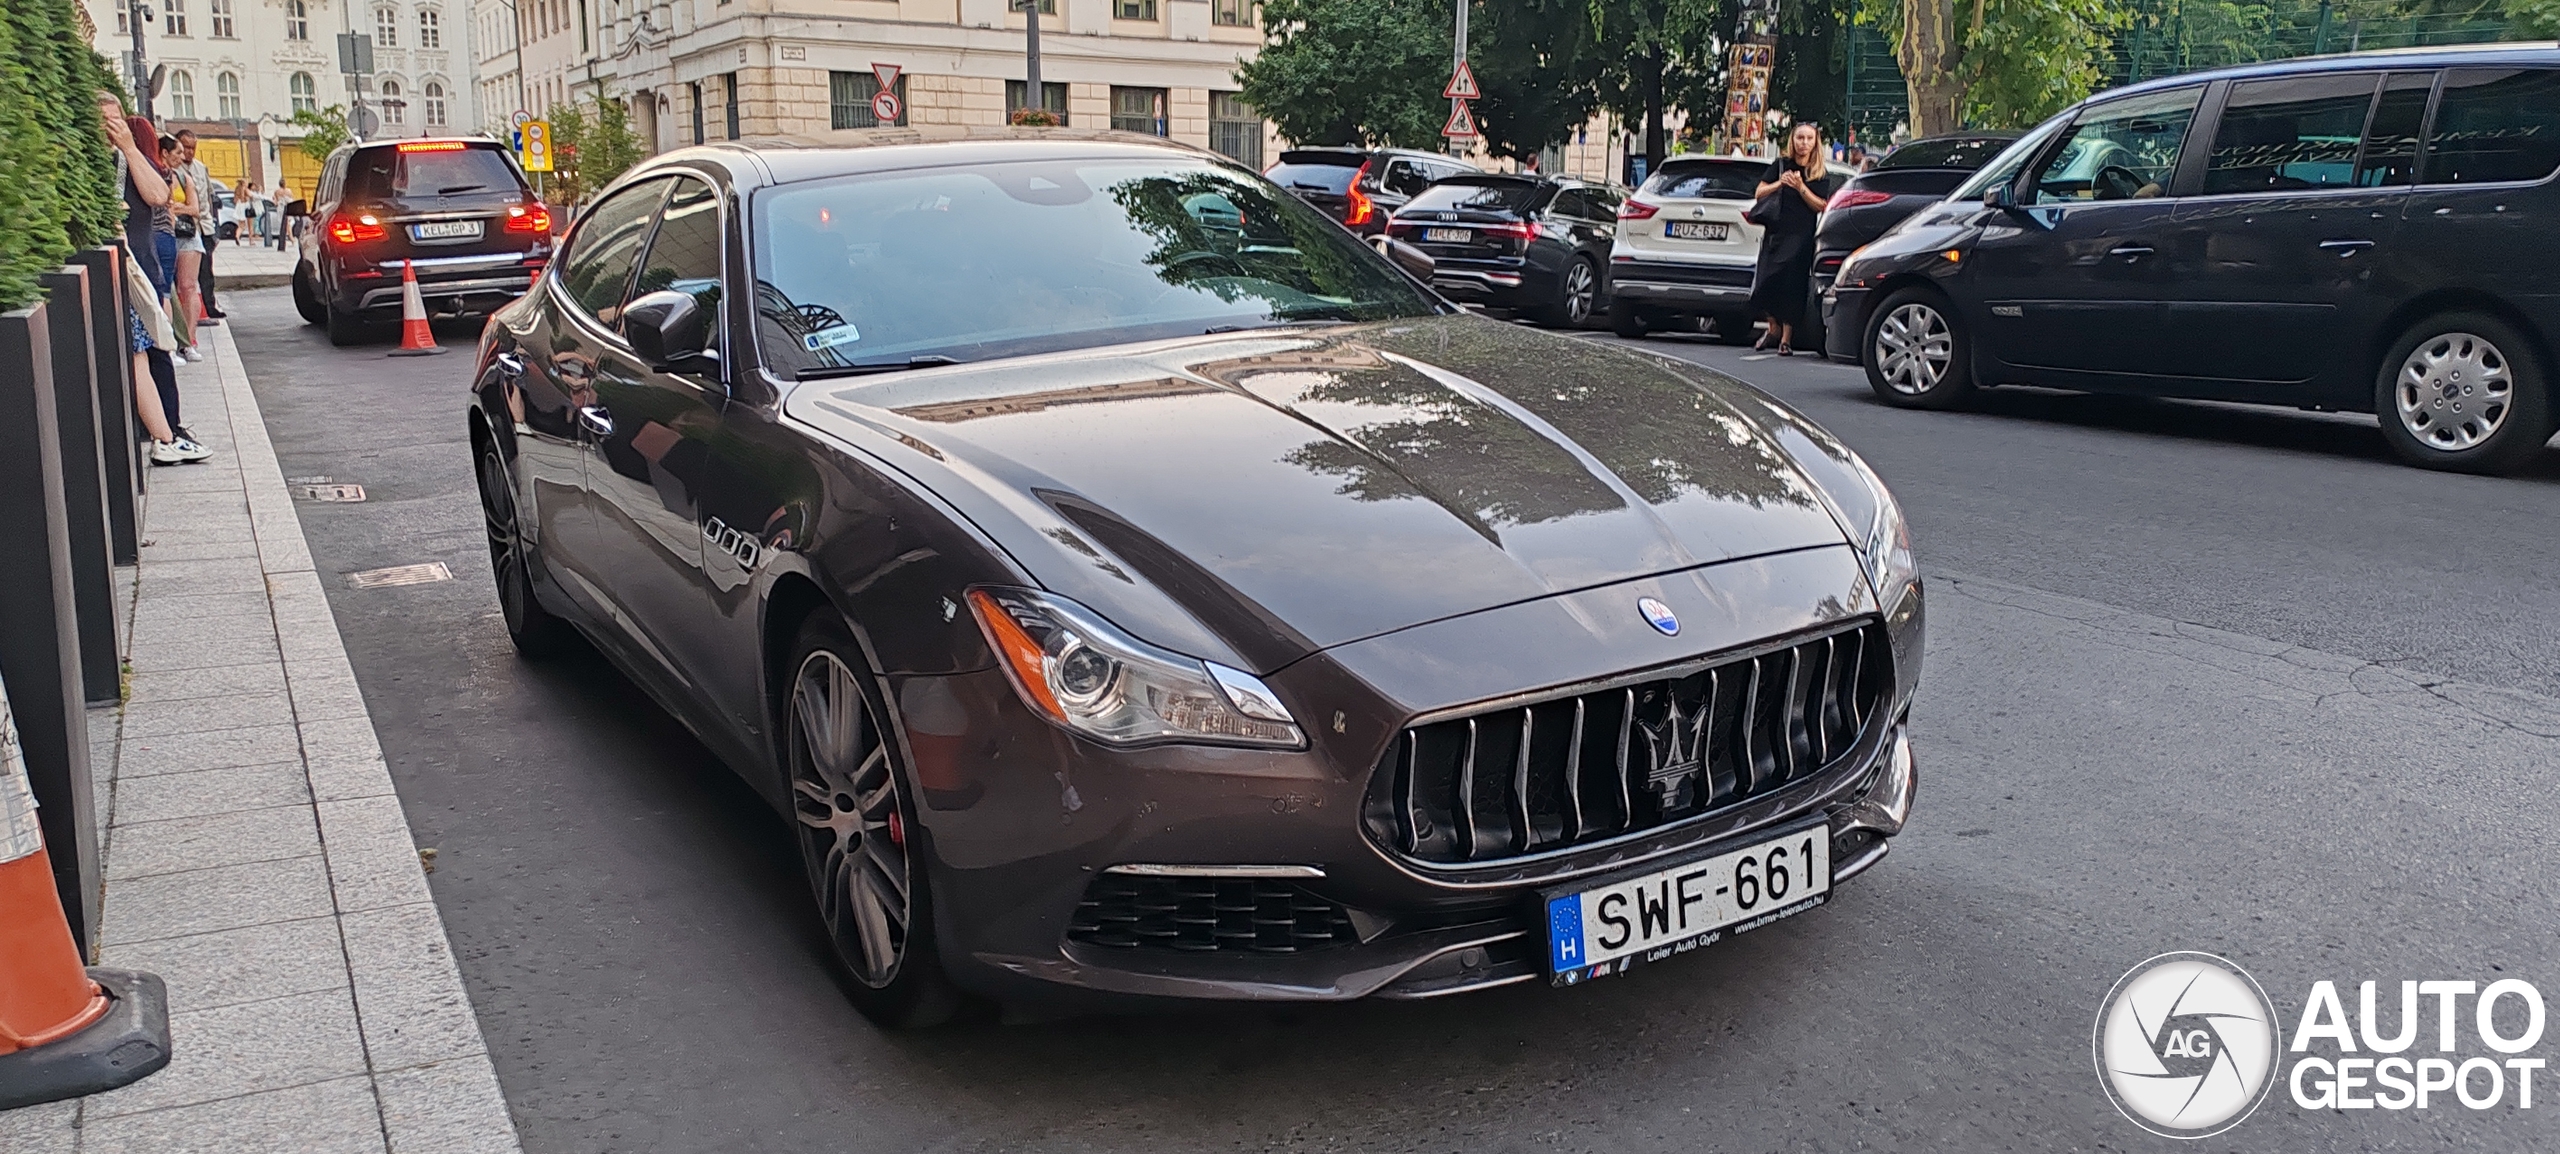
{"x": 245, "y": 267}
{"x": 255, "y": 854}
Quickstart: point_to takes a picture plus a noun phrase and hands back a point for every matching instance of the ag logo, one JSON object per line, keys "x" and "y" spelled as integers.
{"x": 2186, "y": 1045}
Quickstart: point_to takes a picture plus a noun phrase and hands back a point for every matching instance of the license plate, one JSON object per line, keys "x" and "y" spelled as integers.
{"x": 1649, "y": 917}
{"x": 1697, "y": 230}
{"x": 445, "y": 230}
{"x": 1448, "y": 235}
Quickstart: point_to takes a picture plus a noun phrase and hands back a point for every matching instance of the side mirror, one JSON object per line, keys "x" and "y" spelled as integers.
{"x": 669, "y": 329}
{"x": 297, "y": 208}
{"x": 1410, "y": 259}
{"x": 2002, "y": 196}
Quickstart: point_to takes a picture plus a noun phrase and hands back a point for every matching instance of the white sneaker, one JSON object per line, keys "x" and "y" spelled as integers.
{"x": 190, "y": 354}
{"x": 178, "y": 452}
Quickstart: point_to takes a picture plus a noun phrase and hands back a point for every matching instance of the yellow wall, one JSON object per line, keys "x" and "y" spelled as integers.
{"x": 301, "y": 172}
{"x": 224, "y": 160}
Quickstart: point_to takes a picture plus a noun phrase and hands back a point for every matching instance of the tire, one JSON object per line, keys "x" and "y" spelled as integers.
{"x": 1936, "y": 372}
{"x": 1577, "y": 290}
{"x": 2463, "y": 392}
{"x": 306, "y": 302}
{"x": 1626, "y": 320}
{"x": 346, "y": 329}
{"x": 851, "y": 788}
{"x": 538, "y": 634}
{"x": 1734, "y": 328}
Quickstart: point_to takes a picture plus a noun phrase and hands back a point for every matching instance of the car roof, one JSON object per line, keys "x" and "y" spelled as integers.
{"x": 845, "y": 152}
{"x": 2534, "y": 52}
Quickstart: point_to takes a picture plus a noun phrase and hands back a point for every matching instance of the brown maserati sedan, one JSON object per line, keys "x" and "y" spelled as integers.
{"x": 1125, "y": 583}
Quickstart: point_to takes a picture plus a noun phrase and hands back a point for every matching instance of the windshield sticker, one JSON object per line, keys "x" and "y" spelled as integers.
{"x": 830, "y": 337}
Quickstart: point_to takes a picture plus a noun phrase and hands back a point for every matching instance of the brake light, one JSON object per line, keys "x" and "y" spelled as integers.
{"x": 346, "y": 229}
{"x": 432, "y": 146}
{"x": 532, "y": 218}
{"x": 1859, "y": 197}
{"x": 1362, "y": 210}
{"x": 1514, "y": 229}
{"x": 1635, "y": 209}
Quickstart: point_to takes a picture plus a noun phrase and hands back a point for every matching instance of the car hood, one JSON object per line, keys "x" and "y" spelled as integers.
{"x": 1253, "y": 497}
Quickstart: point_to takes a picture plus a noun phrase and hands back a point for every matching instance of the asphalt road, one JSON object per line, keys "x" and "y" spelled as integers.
{"x": 2199, "y": 678}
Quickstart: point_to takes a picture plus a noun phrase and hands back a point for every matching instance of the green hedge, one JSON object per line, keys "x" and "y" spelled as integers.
{"x": 57, "y": 179}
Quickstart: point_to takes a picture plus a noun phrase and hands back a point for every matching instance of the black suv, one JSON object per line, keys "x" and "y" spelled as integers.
{"x": 2367, "y": 233}
{"x": 458, "y": 211}
{"x": 1529, "y": 244}
{"x": 1361, "y": 187}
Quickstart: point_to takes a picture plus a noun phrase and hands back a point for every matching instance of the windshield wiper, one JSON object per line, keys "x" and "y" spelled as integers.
{"x": 450, "y": 189}
{"x": 822, "y": 372}
{"x": 1292, "y": 323}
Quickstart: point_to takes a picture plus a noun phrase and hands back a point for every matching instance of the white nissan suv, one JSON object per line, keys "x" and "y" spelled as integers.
{"x": 1684, "y": 252}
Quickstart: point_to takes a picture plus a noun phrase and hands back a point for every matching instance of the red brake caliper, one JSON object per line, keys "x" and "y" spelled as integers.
{"x": 897, "y": 830}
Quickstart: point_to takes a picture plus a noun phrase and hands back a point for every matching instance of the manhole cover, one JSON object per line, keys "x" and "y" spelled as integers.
{"x": 332, "y": 493}
{"x": 401, "y": 575}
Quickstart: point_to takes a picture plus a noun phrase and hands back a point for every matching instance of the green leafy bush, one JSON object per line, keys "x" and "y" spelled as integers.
{"x": 57, "y": 180}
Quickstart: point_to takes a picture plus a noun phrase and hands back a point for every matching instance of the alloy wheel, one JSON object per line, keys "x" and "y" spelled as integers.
{"x": 1578, "y": 293}
{"x": 1914, "y": 348}
{"x": 2454, "y": 391}
{"x": 845, "y": 794}
{"x": 506, "y": 541}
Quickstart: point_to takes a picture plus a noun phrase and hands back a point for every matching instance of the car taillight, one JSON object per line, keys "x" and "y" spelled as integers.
{"x": 346, "y": 229}
{"x": 1635, "y": 209}
{"x": 1859, "y": 197}
{"x": 1362, "y": 210}
{"x": 531, "y": 218}
{"x": 1515, "y": 229}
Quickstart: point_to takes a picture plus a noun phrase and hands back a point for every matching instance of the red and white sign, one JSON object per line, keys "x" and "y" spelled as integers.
{"x": 1462, "y": 123}
{"x": 884, "y": 107}
{"x": 1462, "y": 85}
{"x": 887, "y": 74}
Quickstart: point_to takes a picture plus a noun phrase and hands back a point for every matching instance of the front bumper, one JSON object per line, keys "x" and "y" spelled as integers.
{"x": 1022, "y": 821}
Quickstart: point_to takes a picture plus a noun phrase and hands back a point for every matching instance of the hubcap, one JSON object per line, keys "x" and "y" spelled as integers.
{"x": 1577, "y": 292}
{"x": 1913, "y": 348}
{"x": 506, "y": 552}
{"x": 852, "y": 837}
{"x": 2454, "y": 391}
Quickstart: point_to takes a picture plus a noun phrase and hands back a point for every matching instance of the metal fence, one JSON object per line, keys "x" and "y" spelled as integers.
{"x": 2167, "y": 37}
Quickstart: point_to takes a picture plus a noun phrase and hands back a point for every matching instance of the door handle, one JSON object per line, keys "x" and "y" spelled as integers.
{"x": 2346, "y": 247}
{"x": 2130, "y": 251}
{"x": 597, "y": 419}
{"x": 509, "y": 365}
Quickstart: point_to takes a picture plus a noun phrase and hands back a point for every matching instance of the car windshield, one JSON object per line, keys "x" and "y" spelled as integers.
{"x": 391, "y": 174}
{"x": 1711, "y": 180}
{"x": 1965, "y": 152}
{"x": 1009, "y": 259}
{"x": 1480, "y": 194}
{"x": 2004, "y": 167}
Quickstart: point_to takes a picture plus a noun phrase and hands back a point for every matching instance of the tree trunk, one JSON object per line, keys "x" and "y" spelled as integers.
{"x": 1931, "y": 55}
{"x": 1653, "y": 149}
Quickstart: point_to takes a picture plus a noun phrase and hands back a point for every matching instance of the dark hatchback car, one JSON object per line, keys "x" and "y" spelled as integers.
{"x": 1904, "y": 181}
{"x": 458, "y": 211}
{"x": 1361, "y": 187}
{"x": 1126, "y": 583}
{"x": 1529, "y": 244}
{"x": 2367, "y": 233}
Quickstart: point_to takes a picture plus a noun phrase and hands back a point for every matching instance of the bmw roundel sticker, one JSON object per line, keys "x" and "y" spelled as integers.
{"x": 1659, "y": 616}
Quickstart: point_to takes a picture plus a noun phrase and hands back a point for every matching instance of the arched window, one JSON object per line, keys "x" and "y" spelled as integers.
{"x": 182, "y": 95}
{"x": 430, "y": 29}
{"x": 226, "y": 95}
{"x": 297, "y": 21}
{"x": 435, "y": 104}
{"x": 386, "y": 28}
{"x": 392, "y": 106}
{"x": 306, "y": 97}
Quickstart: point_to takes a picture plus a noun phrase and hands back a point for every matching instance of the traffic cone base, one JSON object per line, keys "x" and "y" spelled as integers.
{"x": 417, "y": 338}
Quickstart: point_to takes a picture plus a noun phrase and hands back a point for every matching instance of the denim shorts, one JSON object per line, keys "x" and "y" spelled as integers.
{"x": 166, "y": 246}
{"x": 191, "y": 243}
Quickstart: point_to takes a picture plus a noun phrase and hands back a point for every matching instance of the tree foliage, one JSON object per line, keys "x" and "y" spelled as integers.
{"x": 591, "y": 144}
{"x": 57, "y": 180}
{"x": 322, "y": 130}
{"x": 1352, "y": 71}
{"x": 1538, "y": 62}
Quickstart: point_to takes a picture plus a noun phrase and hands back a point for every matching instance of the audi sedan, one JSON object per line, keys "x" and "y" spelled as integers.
{"x": 1126, "y": 584}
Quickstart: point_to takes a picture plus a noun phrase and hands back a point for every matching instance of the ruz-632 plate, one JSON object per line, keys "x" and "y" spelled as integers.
{"x": 1651, "y": 916}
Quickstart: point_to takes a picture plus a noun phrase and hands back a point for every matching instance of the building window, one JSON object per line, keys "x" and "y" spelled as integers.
{"x": 124, "y": 26}
{"x": 306, "y": 98}
{"x": 297, "y": 20}
{"x": 392, "y": 106}
{"x": 386, "y": 28}
{"x": 182, "y": 96}
{"x": 176, "y": 13}
{"x": 226, "y": 95}
{"x": 222, "y": 25}
{"x": 435, "y": 104}
{"x": 1134, "y": 9}
{"x": 1232, "y": 13}
{"x": 1138, "y": 110}
{"x": 1053, "y": 97}
{"x": 694, "y": 90}
{"x": 1234, "y": 128}
{"x": 849, "y": 100}
{"x": 729, "y": 100}
{"x": 430, "y": 29}
{"x": 1047, "y": 7}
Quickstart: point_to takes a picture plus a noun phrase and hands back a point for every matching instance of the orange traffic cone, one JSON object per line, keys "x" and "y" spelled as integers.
{"x": 417, "y": 339}
{"x": 64, "y": 1031}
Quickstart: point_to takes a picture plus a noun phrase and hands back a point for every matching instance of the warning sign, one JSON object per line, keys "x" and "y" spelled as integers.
{"x": 1462, "y": 84}
{"x": 1462, "y": 123}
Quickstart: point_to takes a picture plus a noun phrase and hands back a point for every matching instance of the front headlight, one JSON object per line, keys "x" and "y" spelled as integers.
{"x": 1077, "y": 670}
{"x": 1886, "y": 549}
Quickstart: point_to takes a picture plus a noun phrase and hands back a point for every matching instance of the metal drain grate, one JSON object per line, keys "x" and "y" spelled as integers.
{"x": 331, "y": 493}
{"x": 432, "y": 571}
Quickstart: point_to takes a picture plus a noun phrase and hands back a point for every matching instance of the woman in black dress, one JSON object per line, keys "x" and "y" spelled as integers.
{"x": 1802, "y": 186}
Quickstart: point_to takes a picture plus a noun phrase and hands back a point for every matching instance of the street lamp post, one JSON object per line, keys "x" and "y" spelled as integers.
{"x": 140, "y": 14}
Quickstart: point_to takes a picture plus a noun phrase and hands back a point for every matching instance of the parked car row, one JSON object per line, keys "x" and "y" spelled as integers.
{"x": 2360, "y": 233}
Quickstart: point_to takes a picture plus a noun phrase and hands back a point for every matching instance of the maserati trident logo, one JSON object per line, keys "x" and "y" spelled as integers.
{"x": 2186, "y": 1045}
{"x": 1659, "y": 615}
{"x": 1675, "y": 757}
